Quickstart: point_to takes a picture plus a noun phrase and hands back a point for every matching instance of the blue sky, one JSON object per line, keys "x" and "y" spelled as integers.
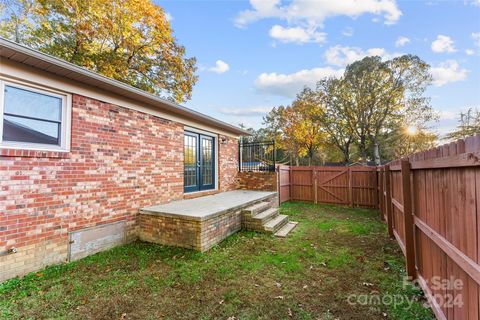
{"x": 256, "y": 55}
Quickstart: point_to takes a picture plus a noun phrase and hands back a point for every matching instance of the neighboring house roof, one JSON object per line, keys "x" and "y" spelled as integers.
{"x": 13, "y": 131}
{"x": 22, "y": 54}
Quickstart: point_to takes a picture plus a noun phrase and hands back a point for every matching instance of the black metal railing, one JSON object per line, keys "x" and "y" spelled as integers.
{"x": 256, "y": 156}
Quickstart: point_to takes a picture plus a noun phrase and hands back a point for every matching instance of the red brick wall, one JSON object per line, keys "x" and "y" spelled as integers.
{"x": 261, "y": 181}
{"x": 120, "y": 160}
{"x": 227, "y": 163}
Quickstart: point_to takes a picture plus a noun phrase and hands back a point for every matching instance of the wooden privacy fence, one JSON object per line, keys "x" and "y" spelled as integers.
{"x": 354, "y": 186}
{"x": 431, "y": 204}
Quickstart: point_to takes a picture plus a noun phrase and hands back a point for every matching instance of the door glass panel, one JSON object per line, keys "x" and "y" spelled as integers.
{"x": 207, "y": 162}
{"x": 190, "y": 154}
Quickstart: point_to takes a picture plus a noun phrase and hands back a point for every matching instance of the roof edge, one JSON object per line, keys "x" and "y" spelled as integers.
{"x": 155, "y": 100}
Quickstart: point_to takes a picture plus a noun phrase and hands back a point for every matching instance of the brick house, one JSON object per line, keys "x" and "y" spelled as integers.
{"x": 82, "y": 154}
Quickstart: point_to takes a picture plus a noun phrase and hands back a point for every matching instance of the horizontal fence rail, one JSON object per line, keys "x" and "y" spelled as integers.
{"x": 430, "y": 202}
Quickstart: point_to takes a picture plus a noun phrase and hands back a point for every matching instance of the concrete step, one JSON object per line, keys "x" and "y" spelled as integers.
{"x": 285, "y": 230}
{"x": 276, "y": 223}
{"x": 256, "y": 208}
{"x": 266, "y": 215}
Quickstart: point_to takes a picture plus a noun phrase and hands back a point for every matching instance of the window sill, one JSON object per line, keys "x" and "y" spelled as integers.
{"x": 6, "y": 151}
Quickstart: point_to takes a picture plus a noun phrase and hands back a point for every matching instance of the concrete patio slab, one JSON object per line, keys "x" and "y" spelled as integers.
{"x": 207, "y": 207}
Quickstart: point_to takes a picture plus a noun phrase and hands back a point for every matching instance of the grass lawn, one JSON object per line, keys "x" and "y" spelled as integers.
{"x": 333, "y": 253}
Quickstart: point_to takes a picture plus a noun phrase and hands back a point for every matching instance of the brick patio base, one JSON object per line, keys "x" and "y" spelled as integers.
{"x": 197, "y": 235}
{"x": 193, "y": 233}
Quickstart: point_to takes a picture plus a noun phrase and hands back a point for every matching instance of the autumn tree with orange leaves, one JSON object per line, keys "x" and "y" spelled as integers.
{"x": 127, "y": 40}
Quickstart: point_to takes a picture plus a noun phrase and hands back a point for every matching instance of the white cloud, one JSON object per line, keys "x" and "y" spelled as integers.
{"x": 288, "y": 85}
{"x": 470, "y": 52}
{"x": 313, "y": 13}
{"x": 342, "y": 56}
{"x": 247, "y": 112}
{"x": 443, "y": 44}
{"x": 296, "y": 34}
{"x": 476, "y": 38}
{"x": 401, "y": 41}
{"x": 448, "y": 71}
{"x": 347, "y": 32}
{"x": 220, "y": 67}
{"x": 447, "y": 115}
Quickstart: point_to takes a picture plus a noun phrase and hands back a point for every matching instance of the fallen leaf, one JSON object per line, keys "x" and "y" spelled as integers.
{"x": 368, "y": 284}
{"x": 221, "y": 302}
{"x": 290, "y": 312}
{"x": 279, "y": 297}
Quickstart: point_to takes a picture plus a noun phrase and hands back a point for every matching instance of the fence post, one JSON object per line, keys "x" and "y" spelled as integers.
{"x": 380, "y": 197}
{"x": 388, "y": 200}
{"x": 290, "y": 176}
{"x": 350, "y": 186}
{"x": 314, "y": 184}
{"x": 376, "y": 197}
{"x": 279, "y": 193}
{"x": 408, "y": 219}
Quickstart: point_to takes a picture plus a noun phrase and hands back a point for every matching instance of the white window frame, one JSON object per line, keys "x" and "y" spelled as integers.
{"x": 65, "y": 121}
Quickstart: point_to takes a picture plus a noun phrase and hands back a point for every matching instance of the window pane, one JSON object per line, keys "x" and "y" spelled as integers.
{"x": 27, "y": 130}
{"x": 32, "y": 104}
{"x": 207, "y": 164}
{"x": 190, "y": 161}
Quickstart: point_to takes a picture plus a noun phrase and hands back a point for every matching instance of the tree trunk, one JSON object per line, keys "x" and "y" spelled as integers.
{"x": 346, "y": 156}
{"x": 346, "y": 153}
{"x": 376, "y": 153}
{"x": 363, "y": 149}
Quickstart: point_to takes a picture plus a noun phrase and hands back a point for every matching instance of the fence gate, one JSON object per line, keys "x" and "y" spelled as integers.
{"x": 333, "y": 185}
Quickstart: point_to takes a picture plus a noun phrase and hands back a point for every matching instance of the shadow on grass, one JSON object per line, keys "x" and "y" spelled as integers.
{"x": 333, "y": 253}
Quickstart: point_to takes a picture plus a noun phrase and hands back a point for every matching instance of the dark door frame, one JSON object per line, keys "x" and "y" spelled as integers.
{"x": 199, "y": 162}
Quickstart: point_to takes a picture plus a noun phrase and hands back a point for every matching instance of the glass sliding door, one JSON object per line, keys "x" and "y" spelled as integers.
{"x": 199, "y": 162}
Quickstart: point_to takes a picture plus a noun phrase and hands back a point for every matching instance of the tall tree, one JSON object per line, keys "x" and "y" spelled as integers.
{"x": 296, "y": 128}
{"x": 334, "y": 118}
{"x": 378, "y": 95}
{"x": 303, "y": 125}
{"x": 468, "y": 125}
{"x": 128, "y": 40}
